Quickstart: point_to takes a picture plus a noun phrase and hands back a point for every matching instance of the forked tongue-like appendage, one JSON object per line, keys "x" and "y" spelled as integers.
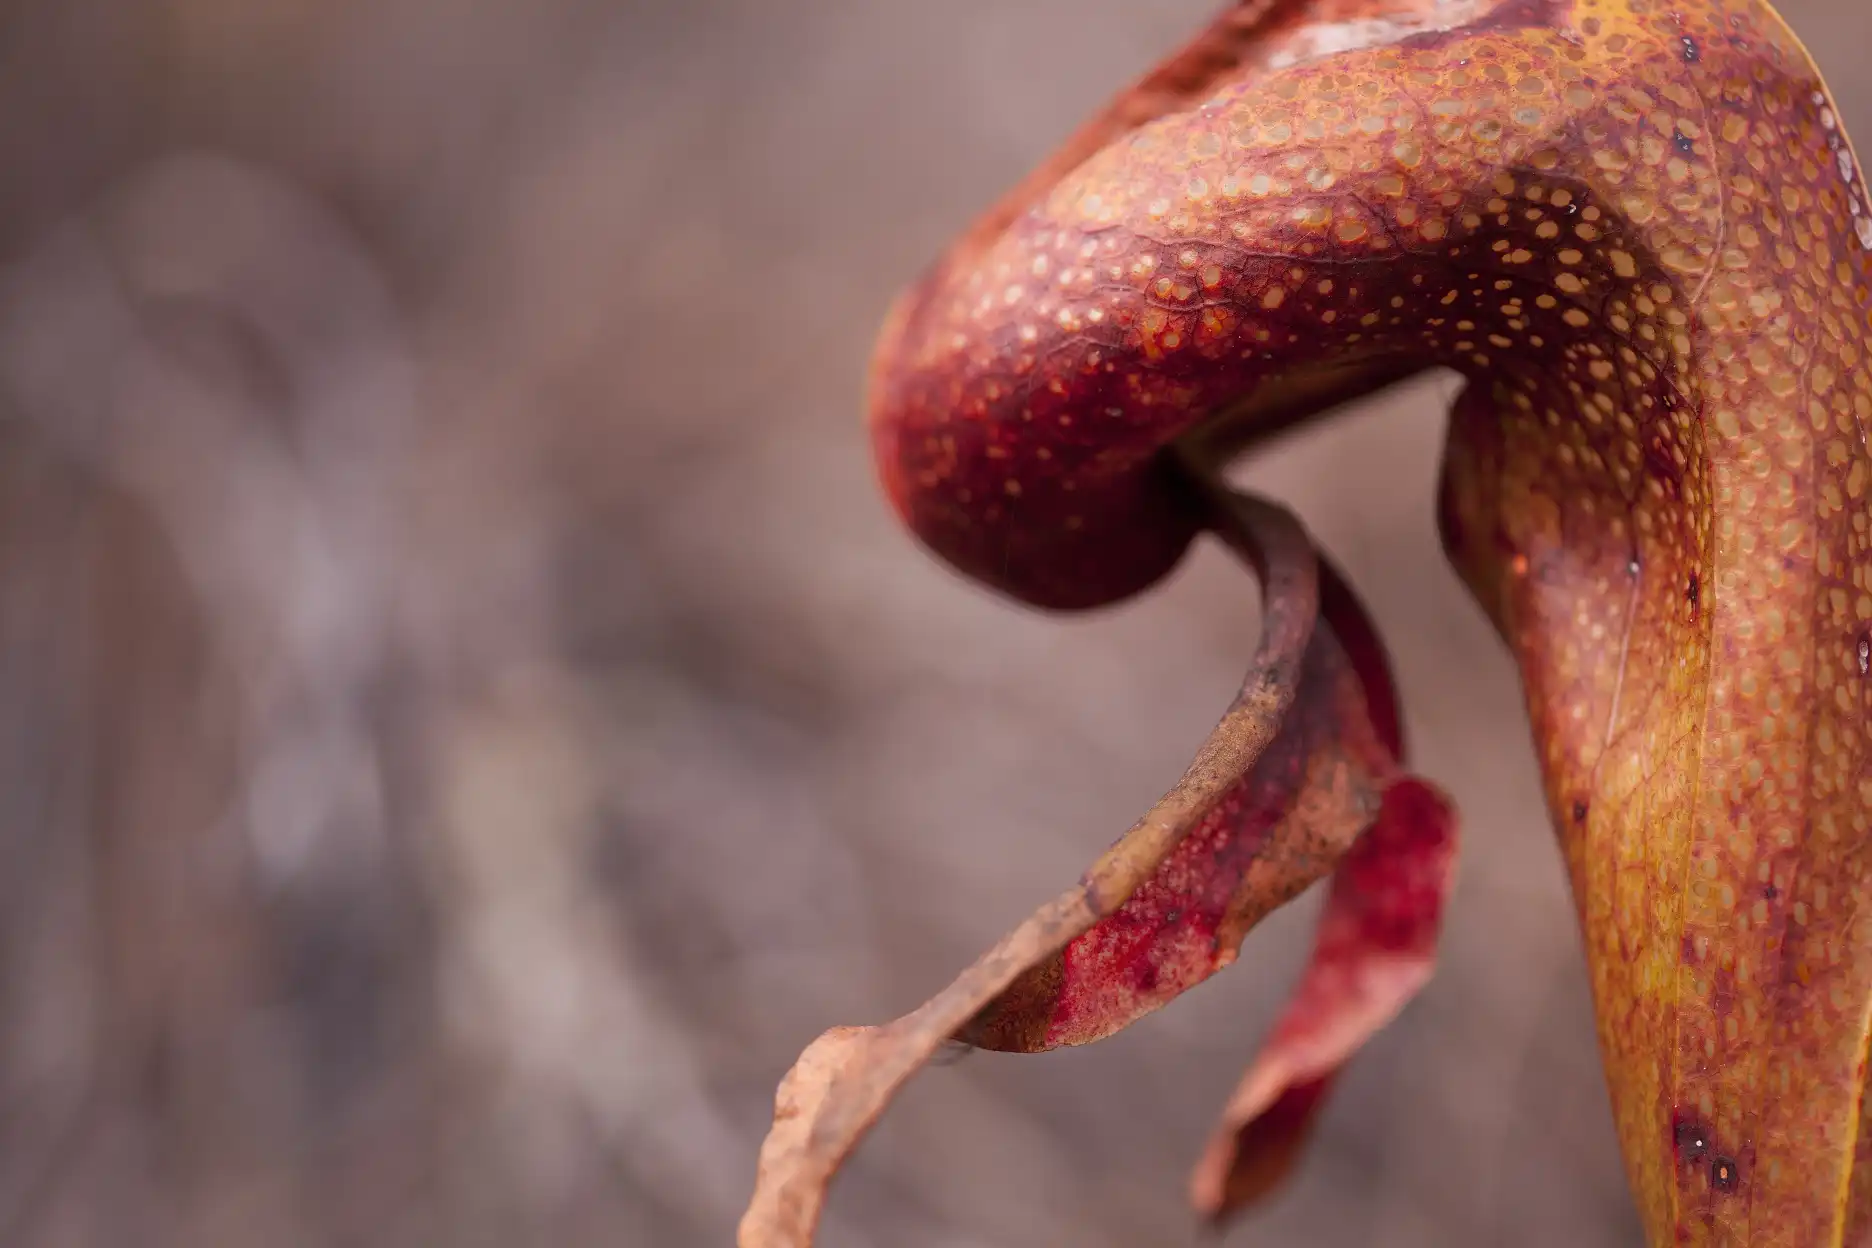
{"x": 1302, "y": 764}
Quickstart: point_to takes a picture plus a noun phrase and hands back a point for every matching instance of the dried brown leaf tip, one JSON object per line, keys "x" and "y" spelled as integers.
{"x": 1639, "y": 231}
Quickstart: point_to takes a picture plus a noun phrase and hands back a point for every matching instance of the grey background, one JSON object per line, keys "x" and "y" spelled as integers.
{"x": 467, "y": 718}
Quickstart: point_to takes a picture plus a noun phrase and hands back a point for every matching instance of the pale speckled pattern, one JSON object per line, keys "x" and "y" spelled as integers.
{"x": 1639, "y": 231}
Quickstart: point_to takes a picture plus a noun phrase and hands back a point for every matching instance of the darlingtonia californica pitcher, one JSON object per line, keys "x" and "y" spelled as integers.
{"x": 1638, "y": 231}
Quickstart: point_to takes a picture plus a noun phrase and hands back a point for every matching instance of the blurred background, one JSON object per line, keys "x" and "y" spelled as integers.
{"x": 467, "y": 718}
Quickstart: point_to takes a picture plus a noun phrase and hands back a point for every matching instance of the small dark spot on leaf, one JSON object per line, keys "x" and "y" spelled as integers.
{"x": 1579, "y": 812}
{"x": 1691, "y": 53}
{"x": 1725, "y": 1175}
{"x": 1683, "y": 142}
{"x": 1770, "y": 892}
{"x": 1692, "y": 1140}
{"x": 1865, "y": 653}
{"x": 1692, "y": 591}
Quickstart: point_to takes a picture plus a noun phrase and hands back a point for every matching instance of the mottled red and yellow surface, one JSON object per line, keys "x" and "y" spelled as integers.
{"x": 1639, "y": 232}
